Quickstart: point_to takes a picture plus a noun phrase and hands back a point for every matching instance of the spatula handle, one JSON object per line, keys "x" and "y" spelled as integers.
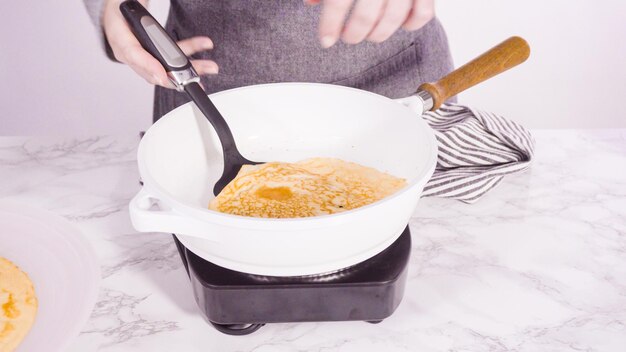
{"x": 500, "y": 58}
{"x": 155, "y": 40}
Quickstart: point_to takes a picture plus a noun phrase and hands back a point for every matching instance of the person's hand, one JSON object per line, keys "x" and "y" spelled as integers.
{"x": 373, "y": 20}
{"x": 127, "y": 49}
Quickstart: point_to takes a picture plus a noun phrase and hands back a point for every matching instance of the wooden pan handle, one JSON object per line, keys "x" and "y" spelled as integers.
{"x": 500, "y": 58}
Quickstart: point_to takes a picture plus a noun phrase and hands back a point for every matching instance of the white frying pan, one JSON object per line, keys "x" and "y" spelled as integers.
{"x": 180, "y": 159}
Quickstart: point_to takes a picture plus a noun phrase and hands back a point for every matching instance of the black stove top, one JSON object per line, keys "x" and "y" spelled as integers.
{"x": 238, "y": 303}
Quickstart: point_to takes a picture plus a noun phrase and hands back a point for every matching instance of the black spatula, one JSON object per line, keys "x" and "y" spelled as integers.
{"x": 159, "y": 44}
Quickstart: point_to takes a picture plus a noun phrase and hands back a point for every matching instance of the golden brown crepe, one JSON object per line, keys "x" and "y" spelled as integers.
{"x": 311, "y": 187}
{"x": 18, "y": 305}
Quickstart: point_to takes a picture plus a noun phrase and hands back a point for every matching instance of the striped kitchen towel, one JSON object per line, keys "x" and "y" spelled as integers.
{"x": 476, "y": 150}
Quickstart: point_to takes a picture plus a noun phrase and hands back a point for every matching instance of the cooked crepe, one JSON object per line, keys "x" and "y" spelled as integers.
{"x": 18, "y": 305}
{"x": 311, "y": 187}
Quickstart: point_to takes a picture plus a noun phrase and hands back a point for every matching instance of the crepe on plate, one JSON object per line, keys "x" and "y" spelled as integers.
{"x": 18, "y": 305}
{"x": 312, "y": 187}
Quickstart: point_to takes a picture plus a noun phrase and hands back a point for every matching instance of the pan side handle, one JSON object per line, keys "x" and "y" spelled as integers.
{"x": 149, "y": 214}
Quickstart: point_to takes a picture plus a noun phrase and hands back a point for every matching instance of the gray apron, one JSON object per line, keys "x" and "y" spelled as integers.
{"x": 261, "y": 41}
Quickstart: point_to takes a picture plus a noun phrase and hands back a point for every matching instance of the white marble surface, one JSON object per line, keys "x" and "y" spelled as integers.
{"x": 539, "y": 264}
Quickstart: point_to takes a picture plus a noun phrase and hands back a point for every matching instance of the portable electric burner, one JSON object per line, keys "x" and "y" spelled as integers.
{"x": 238, "y": 303}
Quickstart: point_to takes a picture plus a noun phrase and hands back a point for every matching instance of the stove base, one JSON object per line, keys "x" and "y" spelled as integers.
{"x": 238, "y": 303}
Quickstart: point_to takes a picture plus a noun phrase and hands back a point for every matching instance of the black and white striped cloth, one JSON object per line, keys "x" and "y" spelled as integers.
{"x": 476, "y": 150}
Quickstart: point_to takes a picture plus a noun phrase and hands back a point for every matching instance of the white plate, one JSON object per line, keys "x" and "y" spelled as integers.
{"x": 62, "y": 266}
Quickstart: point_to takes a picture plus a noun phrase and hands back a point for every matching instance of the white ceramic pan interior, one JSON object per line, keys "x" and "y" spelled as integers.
{"x": 282, "y": 122}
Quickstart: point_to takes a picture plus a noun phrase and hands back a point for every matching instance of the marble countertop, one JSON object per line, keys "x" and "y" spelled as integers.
{"x": 539, "y": 264}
